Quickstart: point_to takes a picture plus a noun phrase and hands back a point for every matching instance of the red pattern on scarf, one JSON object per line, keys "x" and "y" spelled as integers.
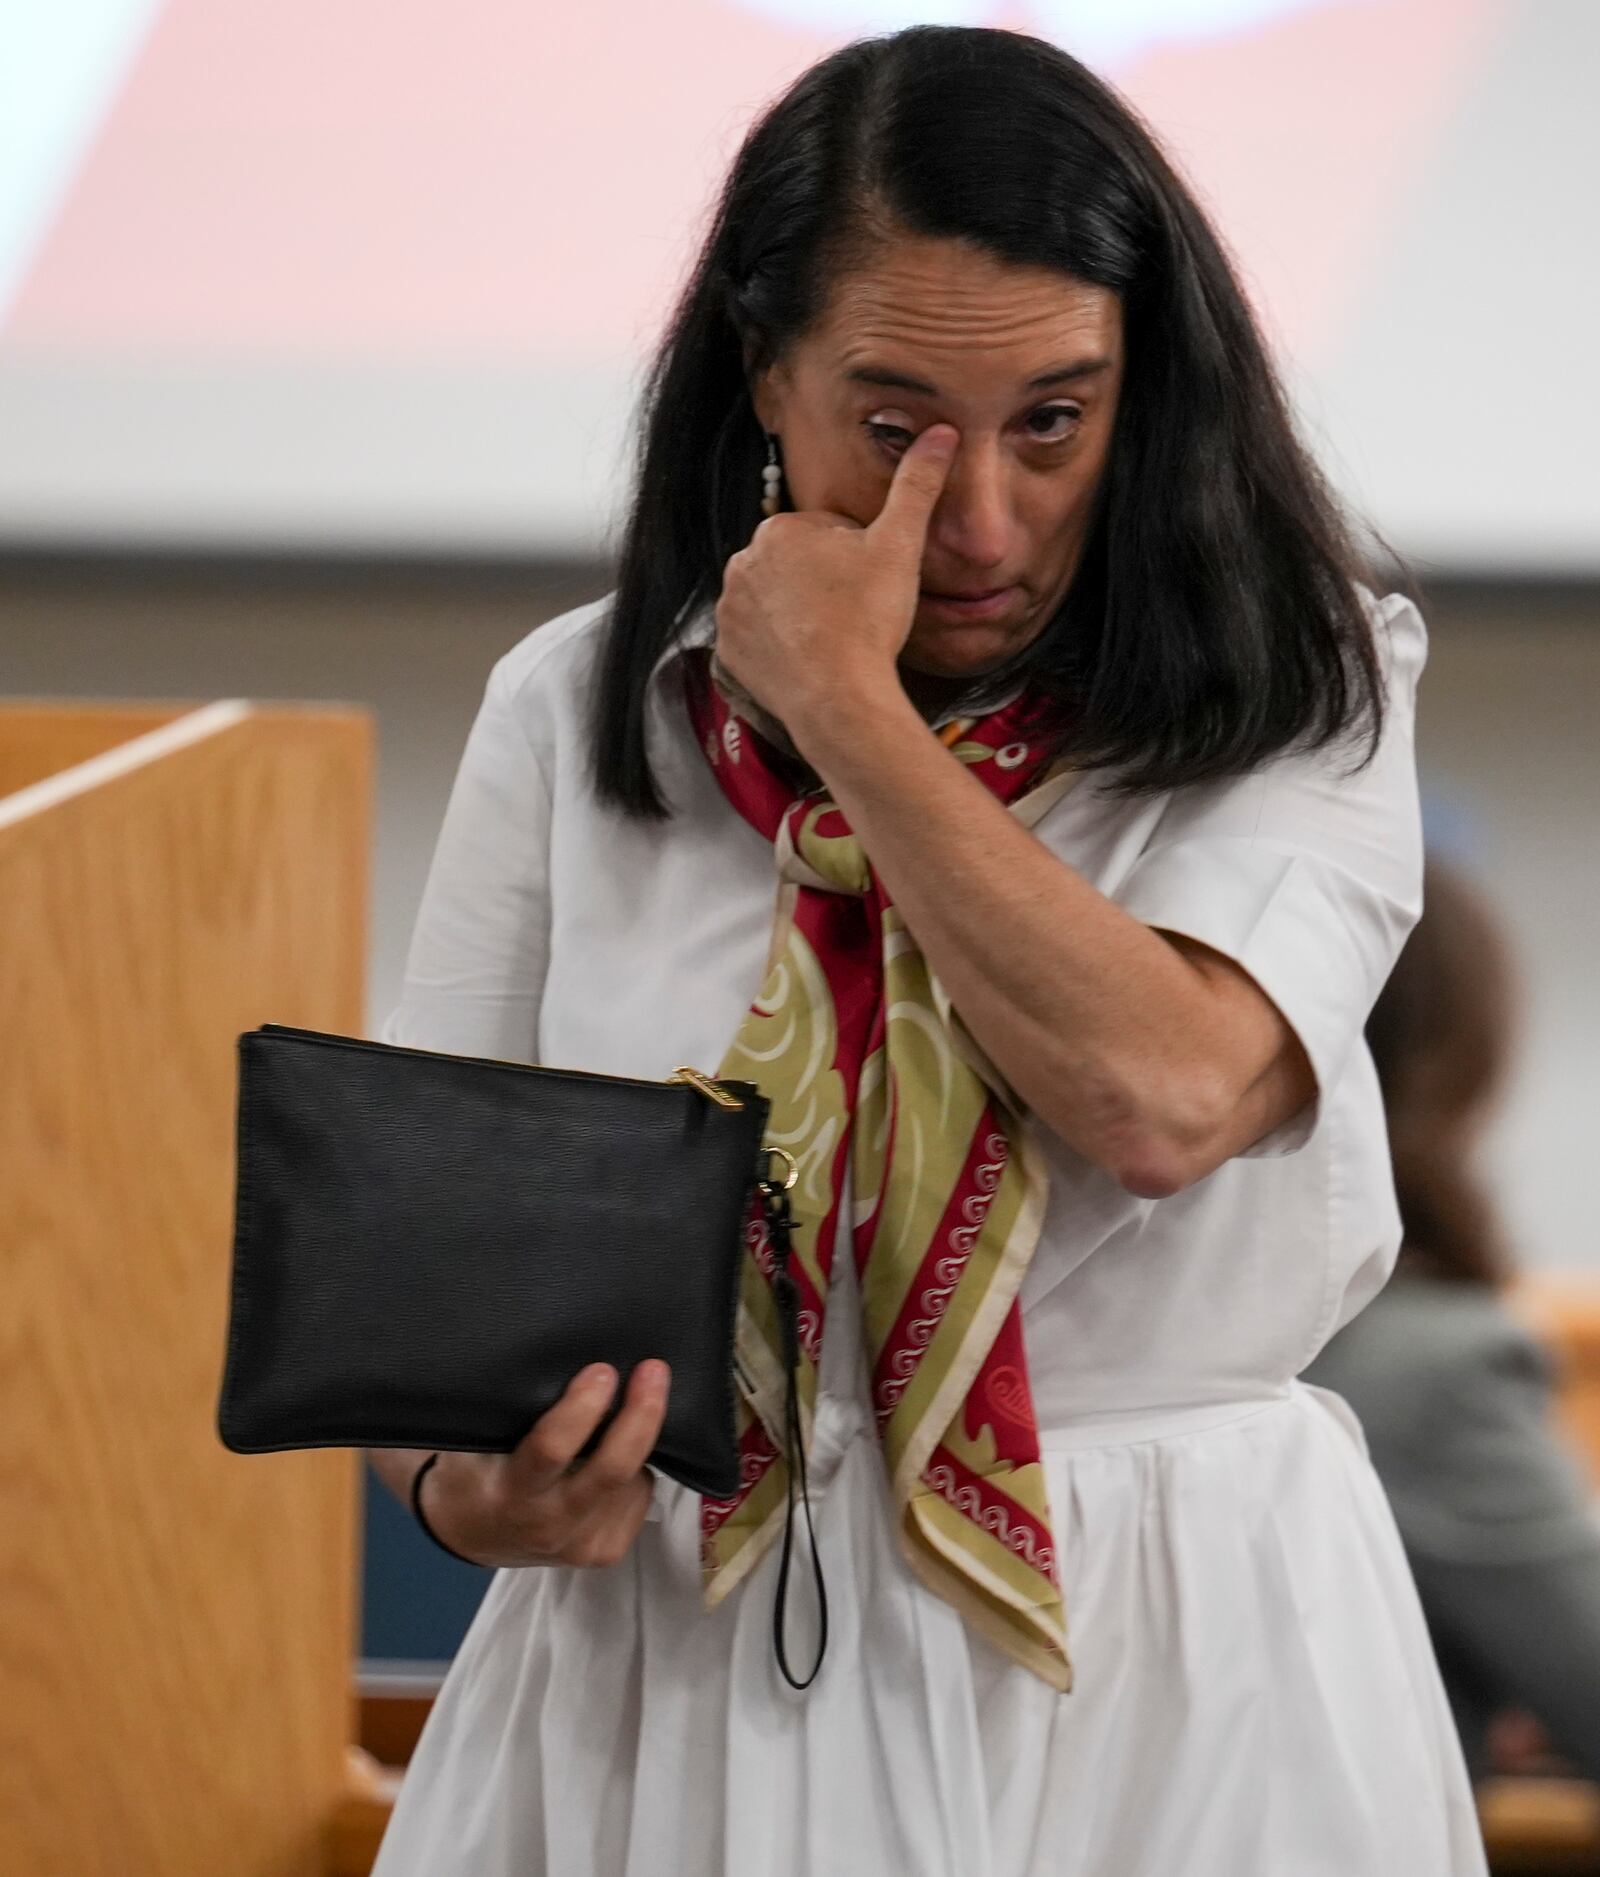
{"x": 844, "y": 932}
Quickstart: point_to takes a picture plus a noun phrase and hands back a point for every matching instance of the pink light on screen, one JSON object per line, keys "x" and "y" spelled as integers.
{"x": 349, "y": 182}
{"x": 338, "y": 181}
{"x": 1308, "y": 181}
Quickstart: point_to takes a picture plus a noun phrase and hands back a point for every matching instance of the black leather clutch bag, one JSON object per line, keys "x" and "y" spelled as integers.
{"x": 428, "y": 1247}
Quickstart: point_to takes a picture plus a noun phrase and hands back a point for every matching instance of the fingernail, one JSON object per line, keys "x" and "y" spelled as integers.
{"x": 601, "y": 1372}
{"x": 655, "y": 1374}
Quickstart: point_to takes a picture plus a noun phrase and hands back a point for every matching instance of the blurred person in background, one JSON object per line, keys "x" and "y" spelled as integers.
{"x": 1452, "y": 1390}
{"x": 992, "y": 693}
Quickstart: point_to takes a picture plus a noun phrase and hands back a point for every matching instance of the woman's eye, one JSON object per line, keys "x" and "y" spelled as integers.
{"x": 1059, "y": 421}
{"x": 1051, "y": 413}
{"x": 885, "y": 433}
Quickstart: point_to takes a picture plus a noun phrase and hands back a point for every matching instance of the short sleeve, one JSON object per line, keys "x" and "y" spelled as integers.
{"x": 475, "y": 967}
{"x": 1308, "y": 878}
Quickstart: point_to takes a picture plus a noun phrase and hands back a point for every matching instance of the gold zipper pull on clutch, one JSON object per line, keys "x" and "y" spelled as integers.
{"x": 711, "y": 1090}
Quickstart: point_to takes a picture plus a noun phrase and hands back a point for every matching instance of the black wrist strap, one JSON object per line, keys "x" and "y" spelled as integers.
{"x": 421, "y": 1517}
{"x": 775, "y": 1201}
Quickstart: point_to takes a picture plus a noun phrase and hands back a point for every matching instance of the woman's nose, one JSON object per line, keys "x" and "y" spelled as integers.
{"x": 971, "y": 521}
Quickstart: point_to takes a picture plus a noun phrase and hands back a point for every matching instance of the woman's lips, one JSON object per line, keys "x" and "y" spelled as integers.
{"x": 983, "y": 608}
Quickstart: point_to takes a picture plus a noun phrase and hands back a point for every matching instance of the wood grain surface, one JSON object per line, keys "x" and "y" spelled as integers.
{"x": 177, "y": 1622}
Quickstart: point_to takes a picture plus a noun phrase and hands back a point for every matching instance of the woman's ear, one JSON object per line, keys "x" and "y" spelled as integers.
{"x": 767, "y": 388}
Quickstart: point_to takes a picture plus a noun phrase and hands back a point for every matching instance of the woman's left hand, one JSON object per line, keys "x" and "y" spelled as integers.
{"x": 816, "y": 606}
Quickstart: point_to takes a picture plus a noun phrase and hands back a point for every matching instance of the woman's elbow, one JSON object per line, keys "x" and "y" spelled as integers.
{"x": 1172, "y": 1143}
{"x": 1152, "y": 1142}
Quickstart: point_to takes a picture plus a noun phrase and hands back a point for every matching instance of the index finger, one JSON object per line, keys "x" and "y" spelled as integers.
{"x": 629, "y": 1442}
{"x": 545, "y": 1452}
{"x": 919, "y": 477}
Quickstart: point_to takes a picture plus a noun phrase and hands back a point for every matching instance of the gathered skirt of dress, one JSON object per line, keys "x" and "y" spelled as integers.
{"x": 1255, "y": 1691}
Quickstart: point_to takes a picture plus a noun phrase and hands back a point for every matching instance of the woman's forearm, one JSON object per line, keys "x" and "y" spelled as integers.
{"x": 1101, "y": 1025}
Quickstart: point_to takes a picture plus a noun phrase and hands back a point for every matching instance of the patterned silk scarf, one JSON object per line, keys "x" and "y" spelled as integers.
{"x": 855, "y": 1042}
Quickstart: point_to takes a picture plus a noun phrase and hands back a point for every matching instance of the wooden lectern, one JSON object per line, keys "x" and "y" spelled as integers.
{"x": 177, "y": 1622}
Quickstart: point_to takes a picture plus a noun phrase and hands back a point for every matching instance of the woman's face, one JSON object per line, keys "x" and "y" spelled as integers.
{"x": 937, "y": 332}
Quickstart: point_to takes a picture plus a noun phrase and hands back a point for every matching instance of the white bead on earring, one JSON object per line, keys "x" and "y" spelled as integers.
{"x": 771, "y": 480}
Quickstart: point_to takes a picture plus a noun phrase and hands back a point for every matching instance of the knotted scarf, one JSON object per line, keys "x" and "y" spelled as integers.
{"x": 854, "y": 1041}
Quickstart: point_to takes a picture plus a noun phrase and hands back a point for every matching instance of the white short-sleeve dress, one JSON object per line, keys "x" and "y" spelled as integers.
{"x": 1255, "y": 1693}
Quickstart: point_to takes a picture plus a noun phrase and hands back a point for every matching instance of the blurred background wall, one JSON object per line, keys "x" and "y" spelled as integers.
{"x": 321, "y": 332}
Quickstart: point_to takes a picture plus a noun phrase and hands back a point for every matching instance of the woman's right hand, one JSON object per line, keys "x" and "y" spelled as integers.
{"x": 525, "y": 1507}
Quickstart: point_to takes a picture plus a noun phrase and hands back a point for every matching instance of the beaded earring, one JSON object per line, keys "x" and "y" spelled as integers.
{"x": 771, "y": 480}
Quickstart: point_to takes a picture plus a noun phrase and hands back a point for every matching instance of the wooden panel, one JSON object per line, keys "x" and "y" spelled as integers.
{"x": 1540, "y": 1825}
{"x": 177, "y": 1622}
{"x": 362, "y": 1815}
{"x": 39, "y": 739}
{"x": 391, "y": 1724}
{"x": 1564, "y": 1309}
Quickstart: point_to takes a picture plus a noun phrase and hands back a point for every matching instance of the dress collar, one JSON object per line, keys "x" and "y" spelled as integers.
{"x": 700, "y": 628}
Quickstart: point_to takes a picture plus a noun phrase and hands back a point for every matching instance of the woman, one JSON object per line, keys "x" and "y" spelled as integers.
{"x": 1087, "y": 879}
{"x": 1453, "y": 1393}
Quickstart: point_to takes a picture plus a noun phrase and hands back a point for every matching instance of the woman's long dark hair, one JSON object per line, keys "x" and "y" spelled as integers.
{"x": 1441, "y": 1035}
{"x": 1213, "y": 620}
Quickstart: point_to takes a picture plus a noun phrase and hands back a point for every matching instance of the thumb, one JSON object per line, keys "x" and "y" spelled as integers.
{"x": 919, "y": 477}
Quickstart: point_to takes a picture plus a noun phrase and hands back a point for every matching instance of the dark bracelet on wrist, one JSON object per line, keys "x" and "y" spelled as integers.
{"x": 421, "y": 1517}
